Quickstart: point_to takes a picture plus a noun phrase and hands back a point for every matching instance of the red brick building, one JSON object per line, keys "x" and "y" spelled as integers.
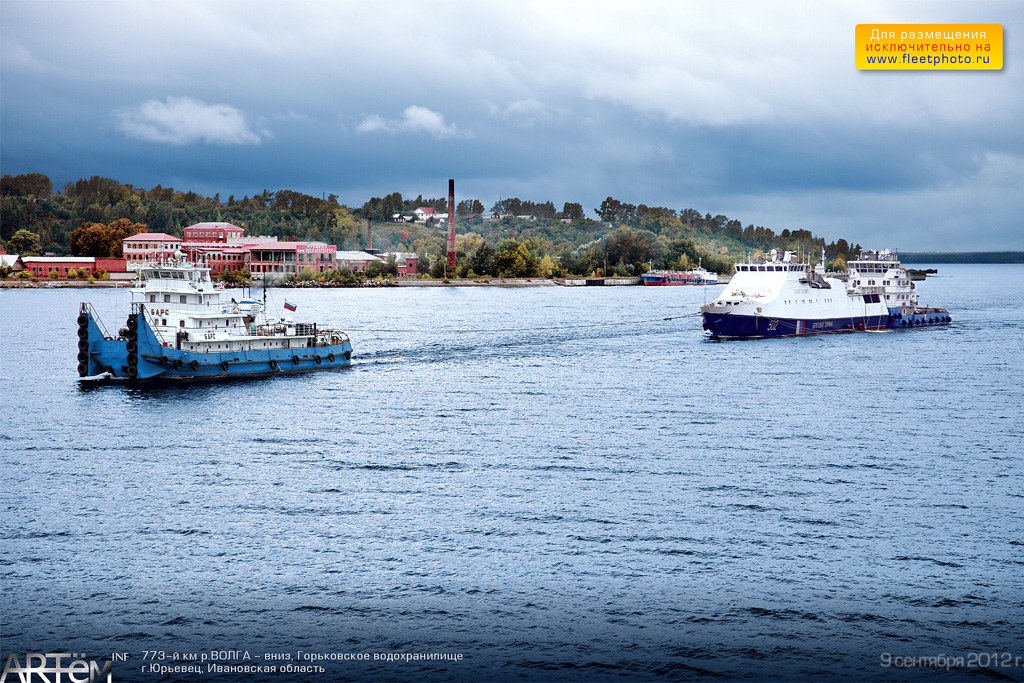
{"x": 42, "y": 266}
{"x": 213, "y": 232}
{"x": 223, "y": 247}
{"x": 223, "y": 257}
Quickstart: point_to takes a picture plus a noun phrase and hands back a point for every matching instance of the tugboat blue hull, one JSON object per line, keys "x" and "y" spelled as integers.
{"x": 141, "y": 357}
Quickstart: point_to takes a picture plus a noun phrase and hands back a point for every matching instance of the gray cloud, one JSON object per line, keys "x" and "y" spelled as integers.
{"x": 185, "y": 121}
{"x": 415, "y": 119}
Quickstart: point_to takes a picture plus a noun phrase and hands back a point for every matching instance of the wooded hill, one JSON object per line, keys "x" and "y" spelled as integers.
{"x": 627, "y": 240}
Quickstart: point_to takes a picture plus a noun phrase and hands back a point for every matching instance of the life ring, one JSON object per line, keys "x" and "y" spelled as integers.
{"x": 273, "y": 364}
{"x": 194, "y": 365}
{"x": 318, "y": 359}
{"x": 295, "y": 360}
{"x": 177, "y": 364}
{"x": 330, "y": 357}
{"x": 224, "y": 365}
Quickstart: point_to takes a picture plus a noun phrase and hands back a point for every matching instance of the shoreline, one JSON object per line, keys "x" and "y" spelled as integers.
{"x": 125, "y": 284}
{"x": 370, "y": 284}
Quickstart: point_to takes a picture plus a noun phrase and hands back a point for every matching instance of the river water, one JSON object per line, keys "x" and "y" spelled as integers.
{"x": 528, "y": 484}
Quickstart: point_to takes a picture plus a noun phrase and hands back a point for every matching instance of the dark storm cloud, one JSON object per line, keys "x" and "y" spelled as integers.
{"x": 724, "y": 107}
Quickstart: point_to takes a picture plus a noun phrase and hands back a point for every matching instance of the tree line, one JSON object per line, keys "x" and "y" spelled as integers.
{"x": 91, "y": 216}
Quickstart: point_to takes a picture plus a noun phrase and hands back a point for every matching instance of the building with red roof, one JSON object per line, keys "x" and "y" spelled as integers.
{"x": 224, "y": 247}
{"x": 149, "y": 246}
{"x": 216, "y": 232}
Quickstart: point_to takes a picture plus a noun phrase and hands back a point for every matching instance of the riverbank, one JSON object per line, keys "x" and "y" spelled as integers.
{"x": 312, "y": 284}
{"x": 64, "y": 284}
{"x": 479, "y": 282}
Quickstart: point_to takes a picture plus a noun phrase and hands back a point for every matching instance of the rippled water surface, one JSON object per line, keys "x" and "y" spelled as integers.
{"x": 518, "y": 478}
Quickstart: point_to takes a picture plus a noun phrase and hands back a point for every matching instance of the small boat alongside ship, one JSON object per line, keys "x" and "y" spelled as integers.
{"x": 697, "y": 276}
{"x": 780, "y": 297}
{"x": 180, "y": 329}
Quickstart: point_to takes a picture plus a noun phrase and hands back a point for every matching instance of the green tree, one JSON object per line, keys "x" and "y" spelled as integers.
{"x": 439, "y": 268}
{"x": 572, "y": 211}
{"x": 25, "y": 243}
{"x": 469, "y": 207}
{"x": 482, "y": 260}
{"x": 28, "y": 184}
{"x": 515, "y": 259}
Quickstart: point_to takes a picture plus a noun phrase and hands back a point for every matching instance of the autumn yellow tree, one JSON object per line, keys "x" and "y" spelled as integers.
{"x": 96, "y": 239}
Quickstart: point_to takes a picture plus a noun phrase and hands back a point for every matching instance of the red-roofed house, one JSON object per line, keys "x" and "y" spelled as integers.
{"x": 148, "y": 246}
{"x": 212, "y": 232}
{"x": 424, "y": 213}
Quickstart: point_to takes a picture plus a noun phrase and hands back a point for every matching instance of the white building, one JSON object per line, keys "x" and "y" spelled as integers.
{"x": 356, "y": 261}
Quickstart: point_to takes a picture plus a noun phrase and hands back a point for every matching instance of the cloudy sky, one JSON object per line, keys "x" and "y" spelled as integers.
{"x": 745, "y": 108}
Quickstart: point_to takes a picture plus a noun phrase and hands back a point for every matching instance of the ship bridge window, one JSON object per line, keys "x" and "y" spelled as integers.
{"x": 184, "y": 298}
{"x": 760, "y": 268}
{"x": 167, "y": 298}
{"x": 152, "y": 298}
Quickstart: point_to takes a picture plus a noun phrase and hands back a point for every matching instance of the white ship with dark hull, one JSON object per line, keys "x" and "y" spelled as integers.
{"x": 778, "y": 296}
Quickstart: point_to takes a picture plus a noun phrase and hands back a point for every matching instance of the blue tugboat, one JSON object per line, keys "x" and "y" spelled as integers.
{"x": 179, "y": 329}
{"x": 779, "y": 297}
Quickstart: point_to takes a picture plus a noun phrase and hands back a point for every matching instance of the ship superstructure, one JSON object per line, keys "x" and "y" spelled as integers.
{"x": 880, "y": 272}
{"x": 179, "y": 328}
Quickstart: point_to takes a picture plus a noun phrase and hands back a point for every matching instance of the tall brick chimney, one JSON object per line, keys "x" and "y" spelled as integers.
{"x": 451, "y": 224}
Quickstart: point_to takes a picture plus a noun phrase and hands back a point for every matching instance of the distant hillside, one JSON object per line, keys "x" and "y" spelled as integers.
{"x": 627, "y": 240}
{"x": 962, "y": 256}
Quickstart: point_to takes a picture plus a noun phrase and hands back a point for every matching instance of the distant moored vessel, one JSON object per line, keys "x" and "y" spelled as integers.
{"x": 697, "y": 276}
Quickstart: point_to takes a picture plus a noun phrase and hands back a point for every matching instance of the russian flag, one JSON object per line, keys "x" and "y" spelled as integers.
{"x": 289, "y": 305}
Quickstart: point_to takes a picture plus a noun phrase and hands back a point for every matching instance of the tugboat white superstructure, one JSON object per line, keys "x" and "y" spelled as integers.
{"x": 180, "y": 329}
{"x": 780, "y": 297}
